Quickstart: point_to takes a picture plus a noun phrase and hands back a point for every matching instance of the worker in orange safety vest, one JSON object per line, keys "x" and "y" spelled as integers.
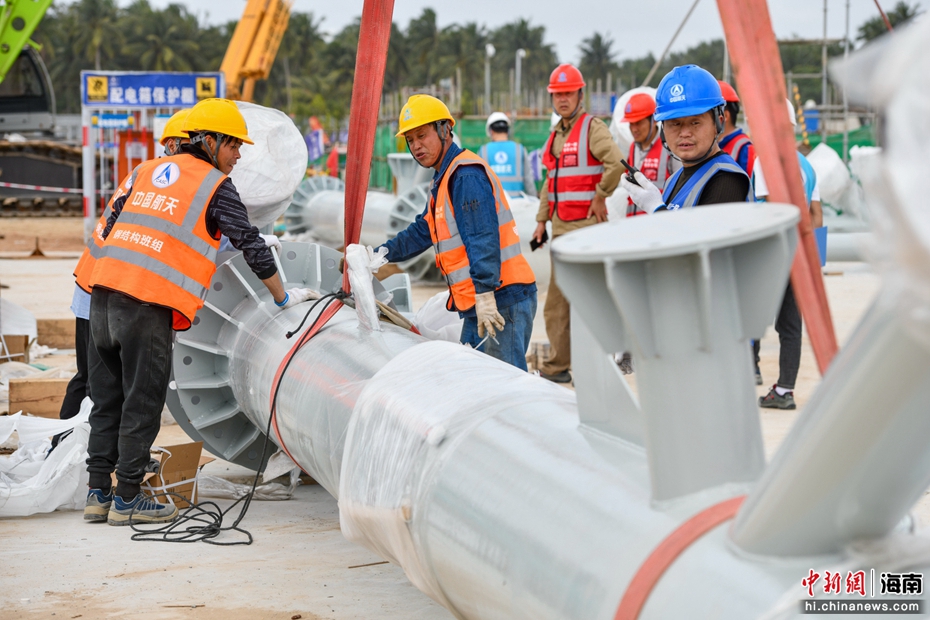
{"x": 583, "y": 166}
{"x": 149, "y": 279}
{"x": 468, "y": 223}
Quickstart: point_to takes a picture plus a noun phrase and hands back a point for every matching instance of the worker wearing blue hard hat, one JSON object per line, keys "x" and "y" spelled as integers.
{"x": 689, "y": 105}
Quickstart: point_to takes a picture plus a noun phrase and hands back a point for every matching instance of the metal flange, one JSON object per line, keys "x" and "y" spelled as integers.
{"x": 201, "y": 396}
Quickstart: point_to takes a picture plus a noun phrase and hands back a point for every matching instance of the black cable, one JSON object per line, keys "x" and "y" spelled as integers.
{"x": 211, "y": 519}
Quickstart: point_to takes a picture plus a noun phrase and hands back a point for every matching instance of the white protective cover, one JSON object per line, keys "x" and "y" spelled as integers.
{"x": 832, "y": 174}
{"x": 362, "y": 261}
{"x": 435, "y": 322}
{"x": 271, "y": 169}
{"x": 30, "y": 483}
{"x": 16, "y": 320}
{"x": 620, "y": 130}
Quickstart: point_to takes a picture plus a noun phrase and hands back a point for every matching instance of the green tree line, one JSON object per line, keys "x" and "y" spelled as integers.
{"x": 314, "y": 69}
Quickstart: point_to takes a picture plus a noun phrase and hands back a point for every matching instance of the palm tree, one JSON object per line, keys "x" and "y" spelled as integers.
{"x": 597, "y": 59}
{"x": 540, "y": 56}
{"x": 162, "y": 40}
{"x": 100, "y": 32}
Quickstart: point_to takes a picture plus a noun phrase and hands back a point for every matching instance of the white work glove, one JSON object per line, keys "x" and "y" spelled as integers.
{"x": 646, "y": 195}
{"x": 295, "y": 296}
{"x": 271, "y": 241}
{"x": 488, "y": 316}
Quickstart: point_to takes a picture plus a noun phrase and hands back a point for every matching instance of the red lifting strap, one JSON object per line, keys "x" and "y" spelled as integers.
{"x": 645, "y": 579}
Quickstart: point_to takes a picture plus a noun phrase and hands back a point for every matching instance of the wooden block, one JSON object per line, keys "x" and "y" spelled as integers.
{"x": 19, "y": 349}
{"x": 40, "y": 397}
{"x": 56, "y": 333}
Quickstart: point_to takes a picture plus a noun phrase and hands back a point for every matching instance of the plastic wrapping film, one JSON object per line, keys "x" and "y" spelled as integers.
{"x": 398, "y": 437}
{"x": 897, "y": 186}
{"x": 832, "y": 174}
{"x": 270, "y": 170}
{"x": 320, "y": 387}
{"x": 362, "y": 262}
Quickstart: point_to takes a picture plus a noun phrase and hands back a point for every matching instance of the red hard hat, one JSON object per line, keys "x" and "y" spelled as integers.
{"x": 729, "y": 94}
{"x": 565, "y": 79}
{"x": 639, "y": 106}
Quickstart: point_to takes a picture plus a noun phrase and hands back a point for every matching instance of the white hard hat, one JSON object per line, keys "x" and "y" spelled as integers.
{"x": 791, "y": 113}
{"x": 495, "y": 117}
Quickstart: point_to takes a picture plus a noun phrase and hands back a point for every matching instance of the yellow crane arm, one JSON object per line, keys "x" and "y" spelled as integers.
{"x": 254, "y": 45}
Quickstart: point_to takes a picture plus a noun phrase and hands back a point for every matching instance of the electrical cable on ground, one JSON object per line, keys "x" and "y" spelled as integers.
{"x": 203, "y": 521}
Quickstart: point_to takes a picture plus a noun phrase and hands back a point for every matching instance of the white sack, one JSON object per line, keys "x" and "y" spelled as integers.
{"x": 16, "y": 320}
{"x": 437, "y": 323}
{"x": 272, "y": 168}
{"x": 362, "y": 262}
{"x": 832, "y": 174}
{"x": 30, "y": 483}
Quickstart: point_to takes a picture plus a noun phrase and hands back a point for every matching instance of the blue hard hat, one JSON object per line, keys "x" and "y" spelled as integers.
{"x": 687, "y": 91}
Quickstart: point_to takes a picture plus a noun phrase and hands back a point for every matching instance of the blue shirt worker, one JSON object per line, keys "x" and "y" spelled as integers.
{"x": 468, "y": 223}
{"x": 508, "y": 159}
{"x": 691, "y": 108}
{"x": 788, "y": 322}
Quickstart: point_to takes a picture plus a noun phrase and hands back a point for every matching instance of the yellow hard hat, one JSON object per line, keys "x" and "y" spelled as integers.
{"x": 422, "y": 110}
{"x": 173, "y": 128}
{"x": 217, "y": 115}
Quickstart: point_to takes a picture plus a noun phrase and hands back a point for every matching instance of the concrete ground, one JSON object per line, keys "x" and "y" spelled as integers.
{"x": 56, "y": 566}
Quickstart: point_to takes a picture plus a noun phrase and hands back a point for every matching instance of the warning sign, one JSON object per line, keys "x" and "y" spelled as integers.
{"x": 206, "y": 87}
{"x": 97, "y": 88}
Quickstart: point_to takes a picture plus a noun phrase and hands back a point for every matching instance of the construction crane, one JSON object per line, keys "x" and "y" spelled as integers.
{"x": 254, "y": 45}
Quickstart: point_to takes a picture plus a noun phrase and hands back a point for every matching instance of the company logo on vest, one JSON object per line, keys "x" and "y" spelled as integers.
{"x": 500, "y": 157}
{"x": 166, "y": 174}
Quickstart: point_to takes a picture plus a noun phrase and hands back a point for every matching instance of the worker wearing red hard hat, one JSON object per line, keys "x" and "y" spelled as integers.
{"x": 734, "y": 142}
{"x": 583, "y": 164}
{"x": 647, "y": 153}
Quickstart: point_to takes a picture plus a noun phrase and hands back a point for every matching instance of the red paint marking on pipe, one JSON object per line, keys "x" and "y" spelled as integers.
{"x": 760, "y": 77}
{"x": 649, "y": 573}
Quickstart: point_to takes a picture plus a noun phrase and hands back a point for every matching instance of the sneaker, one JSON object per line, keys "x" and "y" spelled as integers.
{"x": 758, "y": 377}
{"x": 97, "y": 505}
{"x": 773, "y": 400}
{"x": 561, "y": 377}
{"x": 141, "y": 509}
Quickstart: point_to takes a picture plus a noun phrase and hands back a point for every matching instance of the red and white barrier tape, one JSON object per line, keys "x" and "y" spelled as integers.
{"x": 43, "y": 188}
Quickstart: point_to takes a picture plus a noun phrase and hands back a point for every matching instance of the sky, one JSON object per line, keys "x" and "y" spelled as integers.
{"x": 636, "y": 26}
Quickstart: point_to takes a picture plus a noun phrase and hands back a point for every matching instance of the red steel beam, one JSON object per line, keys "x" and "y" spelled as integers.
{"x": 761, "y": 81}
{"x": 370, "y": 61}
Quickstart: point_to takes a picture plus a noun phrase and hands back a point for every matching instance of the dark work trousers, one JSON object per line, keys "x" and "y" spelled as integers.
{"x": 130, "y": 364}
{"x": 79, "y": 386}
{"x": 788, "y": 326}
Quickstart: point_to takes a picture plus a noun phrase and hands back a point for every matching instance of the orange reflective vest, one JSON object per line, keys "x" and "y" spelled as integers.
{"x": 159, "y": 250}
{"x": 451, "y": 257}
{"x": 574, "y": 174}
{"x": 85, "y": 266}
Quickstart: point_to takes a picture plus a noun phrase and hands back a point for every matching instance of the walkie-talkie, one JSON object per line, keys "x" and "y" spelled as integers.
{"x": 631, "y": 171}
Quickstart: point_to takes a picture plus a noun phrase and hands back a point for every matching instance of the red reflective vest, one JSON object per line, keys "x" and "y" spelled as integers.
{"x": 574, "y": 174}
{"x": 733, "y": 148}
{"x": 451, "y": 256}
{"x": 655, "y": 166}
{"x": 85, "y": 266}
{"x": 159, "y": 250}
